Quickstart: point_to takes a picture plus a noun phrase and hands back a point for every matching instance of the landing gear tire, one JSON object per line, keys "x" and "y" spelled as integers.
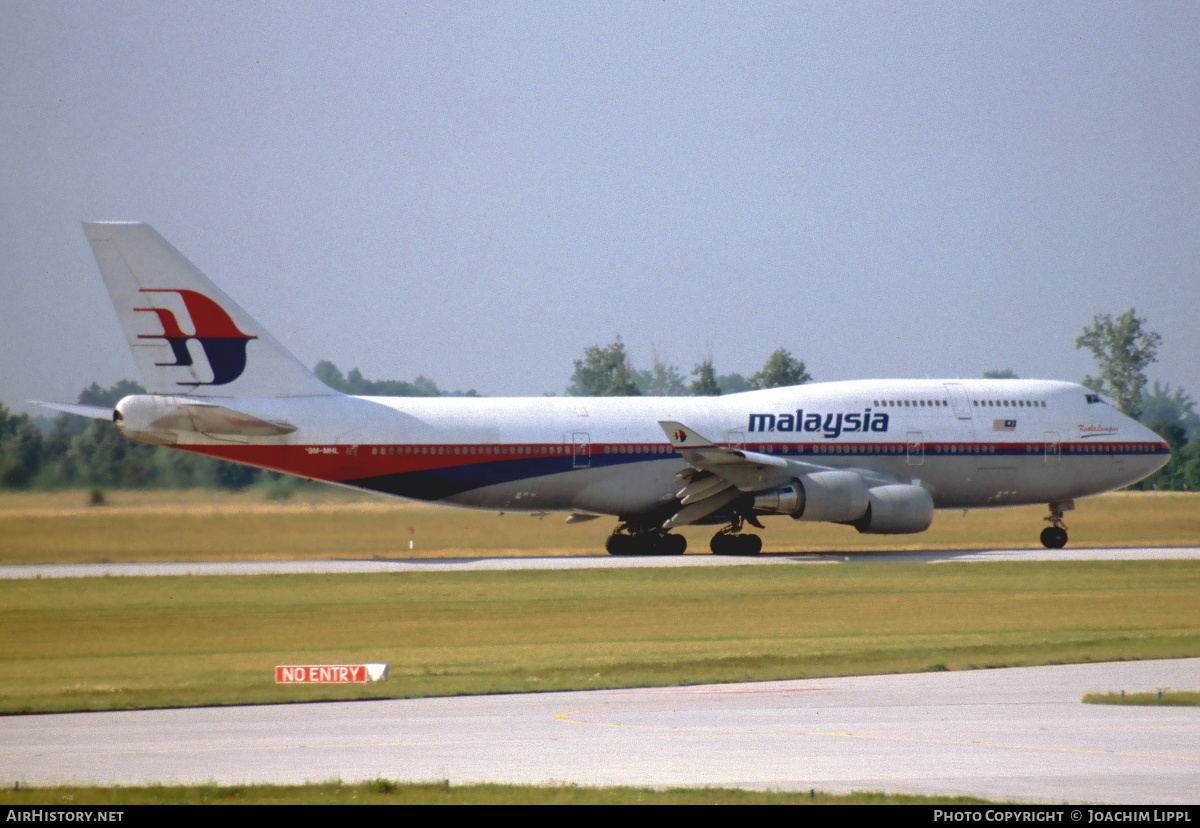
{"x": 645, "y": 543}
{"x": 729, "y": 544}
{"x": 1054, "y": 537}
{"x": 674, "y": 544}
{"x": 619, "y": 544}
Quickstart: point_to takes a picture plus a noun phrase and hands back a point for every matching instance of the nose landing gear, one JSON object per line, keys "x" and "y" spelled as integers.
{"x": 1054, "y": 536}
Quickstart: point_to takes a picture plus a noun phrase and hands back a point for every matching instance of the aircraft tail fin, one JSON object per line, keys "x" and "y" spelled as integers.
{"x": 188, "y": 338}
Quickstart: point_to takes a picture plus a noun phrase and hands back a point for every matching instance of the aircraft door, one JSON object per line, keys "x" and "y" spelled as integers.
{"x": 581, "y": 450}
{"x": 1053, "y": 451}
{"x": 959, "y": 400}
{"x": 735, "y": 438}
{"x": 916, "y": 448}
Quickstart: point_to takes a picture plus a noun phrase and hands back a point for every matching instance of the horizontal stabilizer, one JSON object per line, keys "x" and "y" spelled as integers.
{"x": 94, "y": 412}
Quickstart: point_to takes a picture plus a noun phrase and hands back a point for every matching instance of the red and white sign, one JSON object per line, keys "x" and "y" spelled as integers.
{"x": 329, "y": 673}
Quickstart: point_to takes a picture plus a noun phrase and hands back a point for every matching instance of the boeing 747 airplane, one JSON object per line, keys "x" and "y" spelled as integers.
{"x": 875, "y": 455}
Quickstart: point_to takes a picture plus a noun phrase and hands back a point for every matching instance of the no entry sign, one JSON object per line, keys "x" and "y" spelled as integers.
{"x": 329, "y": 673}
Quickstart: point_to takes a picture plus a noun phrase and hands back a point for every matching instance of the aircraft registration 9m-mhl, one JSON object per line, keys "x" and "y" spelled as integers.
{"x": 877, "y": 455}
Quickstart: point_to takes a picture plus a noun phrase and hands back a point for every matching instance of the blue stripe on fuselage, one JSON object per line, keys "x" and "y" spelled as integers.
{"x": 441, "y": 483}
{"x": 448, "y": 481}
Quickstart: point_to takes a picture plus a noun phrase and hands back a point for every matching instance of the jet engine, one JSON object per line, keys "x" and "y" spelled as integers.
{"x": 836, "y": 496}
{"x": 896, "y": 510}
{"x": 843, "y": 497}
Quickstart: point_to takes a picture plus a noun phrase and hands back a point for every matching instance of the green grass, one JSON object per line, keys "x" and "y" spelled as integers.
{"x": 60, "y": 527}
{"x": 1185, "y": 698}
{"x": 79, "y": 644}
{"x": 386, "y": 792}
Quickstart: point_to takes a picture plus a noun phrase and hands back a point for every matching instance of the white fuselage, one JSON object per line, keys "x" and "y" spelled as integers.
{"x": 970, "y": 443}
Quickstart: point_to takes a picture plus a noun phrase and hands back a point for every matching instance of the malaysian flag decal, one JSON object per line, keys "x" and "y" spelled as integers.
{"x": 1004, "y": 425}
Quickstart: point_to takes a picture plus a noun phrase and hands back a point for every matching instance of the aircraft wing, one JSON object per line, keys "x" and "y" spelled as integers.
{"x": 749, "y": 471}
{"x": 719, "y": 475}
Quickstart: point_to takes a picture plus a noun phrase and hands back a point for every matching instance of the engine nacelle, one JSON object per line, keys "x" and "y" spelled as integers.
{"x": 896, "y": 510}
{"x": 786, "y": 500}
{"x": 835, "y": 496}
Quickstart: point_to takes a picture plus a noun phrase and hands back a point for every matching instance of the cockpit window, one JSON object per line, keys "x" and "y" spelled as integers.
{"x": 1094, "y": 398}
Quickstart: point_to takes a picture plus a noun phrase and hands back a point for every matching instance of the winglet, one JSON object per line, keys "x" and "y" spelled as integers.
{"x": 682, "y": 437}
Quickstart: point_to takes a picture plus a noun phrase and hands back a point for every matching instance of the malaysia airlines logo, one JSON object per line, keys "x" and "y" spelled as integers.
{"x": 679, "y": 435}
{"x": 223, "y": 344}
{"x": 831, "y": 426}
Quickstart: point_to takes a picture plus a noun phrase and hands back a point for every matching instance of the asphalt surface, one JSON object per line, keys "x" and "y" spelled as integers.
{"x": 1018, "y": 734}
{"x": 333, "y": 567}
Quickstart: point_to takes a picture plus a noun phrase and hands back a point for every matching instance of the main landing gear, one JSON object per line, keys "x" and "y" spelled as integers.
{"x": 1054, "y": 536}
{"x": 626, "y": 541}
{"x": 731, "y": 541}
{"x": 728, "y": 543}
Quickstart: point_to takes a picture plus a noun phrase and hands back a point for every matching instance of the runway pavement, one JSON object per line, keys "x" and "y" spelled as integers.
{"x": 1014, "y": 734}
{"x": 333, "y": 567}
{"x": 1017, "y": 734}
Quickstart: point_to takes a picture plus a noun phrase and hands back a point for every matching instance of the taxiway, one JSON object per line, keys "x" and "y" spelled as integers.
{"x": 1018, "y": 734}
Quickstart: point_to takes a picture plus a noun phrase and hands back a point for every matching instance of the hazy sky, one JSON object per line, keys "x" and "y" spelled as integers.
{"x": 477, "y": 191}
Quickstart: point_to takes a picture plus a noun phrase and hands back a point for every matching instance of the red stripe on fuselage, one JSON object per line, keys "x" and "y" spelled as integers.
{"x": 339, "y": 463}
{"x": 347, "y": 462}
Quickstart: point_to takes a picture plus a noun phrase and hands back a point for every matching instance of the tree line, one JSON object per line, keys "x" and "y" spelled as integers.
{"x": 1122, "y": 347}
{"x": 606, "y": 371}
{"x": 73, "y": 452}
